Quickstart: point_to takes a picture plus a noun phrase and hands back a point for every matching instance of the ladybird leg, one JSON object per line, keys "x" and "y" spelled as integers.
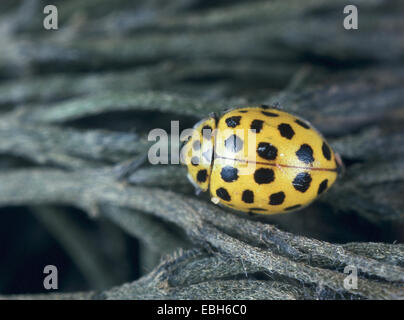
{"x": 198, "y": 190}
{"x": 213, "y": 115}
{"x": 215, "y": 200}
{"x": 252, "y": 214}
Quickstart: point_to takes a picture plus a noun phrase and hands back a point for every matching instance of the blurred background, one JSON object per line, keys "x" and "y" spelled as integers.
{"x": 348, "y": 83}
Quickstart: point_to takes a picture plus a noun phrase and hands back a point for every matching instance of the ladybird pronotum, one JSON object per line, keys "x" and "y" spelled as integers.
{"x": 283, "y": 167}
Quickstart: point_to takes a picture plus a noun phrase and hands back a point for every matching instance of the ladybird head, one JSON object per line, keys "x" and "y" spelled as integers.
{"x": 197, "y": 153}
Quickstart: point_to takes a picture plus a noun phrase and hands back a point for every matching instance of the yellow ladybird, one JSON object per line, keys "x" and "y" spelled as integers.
{"x": 259, "y": 160}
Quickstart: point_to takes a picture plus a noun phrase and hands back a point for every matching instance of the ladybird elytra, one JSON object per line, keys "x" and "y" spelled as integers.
{"x": 259, "y": 160}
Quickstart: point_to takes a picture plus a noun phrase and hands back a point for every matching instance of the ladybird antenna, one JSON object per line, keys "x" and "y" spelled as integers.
{"x": 341, "y": 169}
{"x": 124, "y": 170}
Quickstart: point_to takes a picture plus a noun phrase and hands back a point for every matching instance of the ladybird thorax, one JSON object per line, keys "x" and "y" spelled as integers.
{"x": 197, "y": 153}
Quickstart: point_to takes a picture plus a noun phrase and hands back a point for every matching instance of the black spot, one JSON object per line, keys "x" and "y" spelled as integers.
{"x": 207, "y": 132}
{"x": 305, "y": 154}
{"x": 196, "y": 145}
{"x": 248, "y": 196}
{"x": 277, "y": 198}
{"x": 233, "y": 122}
{"x": 302, "y": 181}
{"x": 293, "y": 207}
{"x": 267, "y": 151}
{"x": 233, "y": 143}
{"x": 202, "y": 175}
{"x": 187, "y": 139}
{"x": 229, "y": 174}
{"x": 223, "y": 194}
{"x": 243, "y": 111}
{"x": 303, "y": 124}
{"x": 286, "y": 131}
{"x": 257, "y": 125}
{"x": 270, "y": 114}
{"x": 326, "y": 151}
{"x": 264, "y": 175}
{"x": 195, "y": 161}
{"x": 323, "y": 185}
